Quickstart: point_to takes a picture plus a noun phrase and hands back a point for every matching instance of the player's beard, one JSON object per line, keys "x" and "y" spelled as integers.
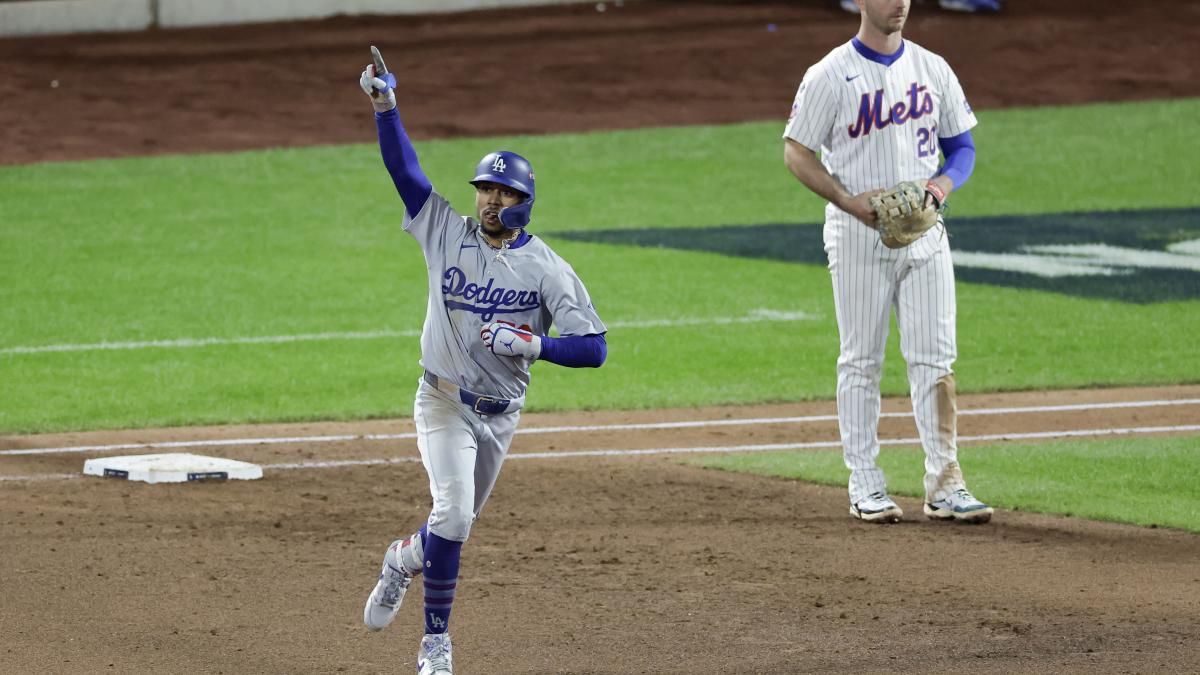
{"x": 498, "y": 235}
{"x": 489, "y": 221}
{"x": 887, "y": 22}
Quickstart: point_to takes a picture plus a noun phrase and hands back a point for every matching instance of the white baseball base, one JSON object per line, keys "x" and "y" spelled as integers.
{"x": 171, "y": 468}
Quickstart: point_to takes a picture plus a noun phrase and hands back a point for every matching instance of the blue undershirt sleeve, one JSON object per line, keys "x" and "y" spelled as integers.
{"x": 575, "y": 351}
{"x": 400, "y": 158}
{"x": 960, "y": 158}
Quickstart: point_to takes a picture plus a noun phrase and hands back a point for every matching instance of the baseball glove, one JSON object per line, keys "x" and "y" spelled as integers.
{"x": 904, "y": 213}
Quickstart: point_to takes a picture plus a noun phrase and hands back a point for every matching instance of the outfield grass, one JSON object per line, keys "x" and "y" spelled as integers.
{"x": 303, "y": 242}
{"x": 1142, "y": 481}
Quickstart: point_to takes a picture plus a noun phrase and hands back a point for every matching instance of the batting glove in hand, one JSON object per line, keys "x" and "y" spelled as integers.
{"x": 505, "y": 339}
{"x": 935, "y": 196}
{"x": 381, "y": 90}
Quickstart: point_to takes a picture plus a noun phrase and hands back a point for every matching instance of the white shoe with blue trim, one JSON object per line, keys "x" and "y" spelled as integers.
{"x": 877, "y": 507}
{"x": 394, "y": 578}
{"x": 434, "y": 657}
{"x": 960, "y": 505}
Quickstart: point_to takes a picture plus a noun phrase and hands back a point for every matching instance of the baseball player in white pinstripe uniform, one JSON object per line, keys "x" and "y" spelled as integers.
{"x": 880, "y": 109}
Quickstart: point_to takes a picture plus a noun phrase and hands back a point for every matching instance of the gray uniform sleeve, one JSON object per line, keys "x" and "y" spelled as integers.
{"x": 435, "y": 224}
{"x": 568, "y": 304}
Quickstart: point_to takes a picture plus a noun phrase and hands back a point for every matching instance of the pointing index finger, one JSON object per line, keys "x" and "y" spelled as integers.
{"x": 380, "y": 66}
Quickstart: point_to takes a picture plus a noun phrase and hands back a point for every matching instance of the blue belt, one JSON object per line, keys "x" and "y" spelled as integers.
{"x": 480, "y": 403}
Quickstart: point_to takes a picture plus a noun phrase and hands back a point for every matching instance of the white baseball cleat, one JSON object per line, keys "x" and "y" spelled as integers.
{"x": 877, "y": 507}
{"x": 960, "y": 505}
{"x": 434, "y": 657}
{"x": 388, "y": 593}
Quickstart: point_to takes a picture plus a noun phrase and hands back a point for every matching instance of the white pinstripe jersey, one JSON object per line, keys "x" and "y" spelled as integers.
{"x": 877, "y": 124}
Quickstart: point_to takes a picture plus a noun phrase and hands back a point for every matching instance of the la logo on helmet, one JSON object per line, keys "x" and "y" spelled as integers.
{"x": 498, "y": 165}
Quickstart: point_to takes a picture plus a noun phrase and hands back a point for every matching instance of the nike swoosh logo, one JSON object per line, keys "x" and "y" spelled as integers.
{"x": 851, "y": 77}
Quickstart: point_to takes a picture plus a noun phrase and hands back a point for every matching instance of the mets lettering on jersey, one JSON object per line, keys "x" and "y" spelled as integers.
{"x": 870, "y": 110}
{"x": 876, "y": 119}
{"x": 488, "y": 300}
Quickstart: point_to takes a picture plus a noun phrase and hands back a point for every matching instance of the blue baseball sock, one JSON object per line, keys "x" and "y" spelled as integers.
{"x": 440, "y": 578}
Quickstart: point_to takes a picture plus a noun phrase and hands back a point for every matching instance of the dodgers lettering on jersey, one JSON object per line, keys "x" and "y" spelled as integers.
{"x": 877, "y": 123}
{"x": 530, "y": 286}
{"x": 486, "y": 301}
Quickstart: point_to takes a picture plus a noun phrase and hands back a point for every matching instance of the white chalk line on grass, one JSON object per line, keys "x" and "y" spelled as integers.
{"x": 755, "y": 316}
{"x": 181, "y": 343}
{"x": 762, "y": 447}
{"x": 751, "y": 421}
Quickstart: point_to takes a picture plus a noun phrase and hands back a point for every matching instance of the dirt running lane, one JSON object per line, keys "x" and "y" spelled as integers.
{"x": 592, "y": 564}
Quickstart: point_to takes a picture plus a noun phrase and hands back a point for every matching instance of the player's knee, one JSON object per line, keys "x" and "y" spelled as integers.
{"x": 452, "y": 522}
{"x": 865, "y": 367}
{"x": 931, "y": 371}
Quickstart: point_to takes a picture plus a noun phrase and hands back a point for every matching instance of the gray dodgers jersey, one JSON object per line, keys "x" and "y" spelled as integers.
{"x": 530, "y": 286}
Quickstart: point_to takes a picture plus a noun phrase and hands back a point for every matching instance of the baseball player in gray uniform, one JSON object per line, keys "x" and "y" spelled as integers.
{"x": 494, "y": 292}
{"x": 880, "y": 109}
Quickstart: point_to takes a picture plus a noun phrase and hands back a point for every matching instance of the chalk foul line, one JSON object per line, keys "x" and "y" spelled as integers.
{"x": 645, "y": 426}
{"x": 762, "y": 447}
{"x": 755, "y": 316}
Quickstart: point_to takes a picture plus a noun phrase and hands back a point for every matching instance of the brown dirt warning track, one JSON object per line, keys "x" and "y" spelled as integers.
{"x": 572, "y": 68}
{"x": 584, "y": 563}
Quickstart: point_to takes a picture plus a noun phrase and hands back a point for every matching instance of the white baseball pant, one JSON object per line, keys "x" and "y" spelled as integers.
{"x": 869, "y": 281}
{"x": 462, "y": 452}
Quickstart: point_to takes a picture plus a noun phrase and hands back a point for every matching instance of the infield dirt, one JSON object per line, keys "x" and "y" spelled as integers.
{"x": 581, "y": 565}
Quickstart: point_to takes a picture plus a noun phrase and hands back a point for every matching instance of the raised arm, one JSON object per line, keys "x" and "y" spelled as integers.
{"x": 399, "y": 156}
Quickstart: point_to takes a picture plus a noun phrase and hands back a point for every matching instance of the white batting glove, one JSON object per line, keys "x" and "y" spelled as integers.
{"x": 505, "y": 339}
{"x": 381, "y": 91}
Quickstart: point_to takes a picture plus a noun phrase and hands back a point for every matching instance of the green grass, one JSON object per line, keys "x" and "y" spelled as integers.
{"x": 293, "y": 242}
{"x": 1083, "y": 158}
{"x": 1143, "y": 481}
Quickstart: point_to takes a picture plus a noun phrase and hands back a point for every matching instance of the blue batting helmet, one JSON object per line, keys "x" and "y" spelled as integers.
{"x": 512, "y": 170}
